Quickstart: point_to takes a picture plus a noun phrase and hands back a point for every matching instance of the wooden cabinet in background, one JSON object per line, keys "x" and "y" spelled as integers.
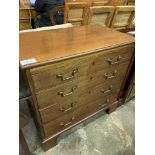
{"x": 78, "y": 72}
{"x": 119, "y": 2}
{"x": 92, "y": 2}
{"x": 131, "y": 2}
{"x": 27, "y": 14}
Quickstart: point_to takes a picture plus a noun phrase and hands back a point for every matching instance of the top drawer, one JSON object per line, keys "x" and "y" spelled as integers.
{"x": 59, "y": 73}
{"x": 48, "y": 76}
{"x": 111, "y": 58}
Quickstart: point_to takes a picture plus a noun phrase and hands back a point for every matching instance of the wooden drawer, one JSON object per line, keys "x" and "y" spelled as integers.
{"x": 63, "y": 93}
{"x": 84, "y": 98}
{"x": 102, "y": 103}
{"x": 73, "y": 117}
{"x": 115, "y": 57}
{"x": 82, "y": 85}
{"x": 59, "y": 73}
{"x": 24, "y": 24}
{"x": 24, "y": 14}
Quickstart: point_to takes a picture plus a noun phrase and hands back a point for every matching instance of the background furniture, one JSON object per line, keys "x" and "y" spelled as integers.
{"x": 24, "y": 19}
{"x": 123, "y": 17}
{"x": 92, "y": 2}
{"x": 101, "y": 15}
{"x": 24, "y": 3}
{"x": 80, "y": 74}
{"x": 76, "y": 13}
{"x": 27, "y": 15}
{"x": 118, "y": 2}
{"x": 131, "y": 2}
{"x": 100, "y": 2}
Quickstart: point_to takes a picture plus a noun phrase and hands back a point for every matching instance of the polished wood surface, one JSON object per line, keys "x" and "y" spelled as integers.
{"x": 53, "y": 45}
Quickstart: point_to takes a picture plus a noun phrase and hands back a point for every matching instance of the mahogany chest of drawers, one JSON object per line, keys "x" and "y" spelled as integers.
{"x": 77, "y": 73}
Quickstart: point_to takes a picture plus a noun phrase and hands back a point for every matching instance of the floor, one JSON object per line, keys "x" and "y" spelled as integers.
{"x": 101, "y": 135}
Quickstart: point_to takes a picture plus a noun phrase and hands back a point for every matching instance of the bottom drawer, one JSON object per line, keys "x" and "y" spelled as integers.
{"x": 80, "y": 113}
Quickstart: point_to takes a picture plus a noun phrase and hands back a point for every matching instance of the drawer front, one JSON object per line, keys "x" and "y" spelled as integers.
{"x": 63, "y": 93}
{"x": 114, "y": 58}
{"x": 73, "y": 117}
{"x": 84, "y": 98}
{"x": 102, "y": 103}
{"x": 110, "y": 76}
{"x": 59, "y": 73}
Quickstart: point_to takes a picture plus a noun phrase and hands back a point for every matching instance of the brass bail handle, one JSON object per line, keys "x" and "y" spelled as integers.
{"x": 70, "y": 108}
{"x": 107, "y": 91}
{"x": 74, "y": 71}
{"x": 71, "y": 92}
{"x": 66, "y": 124}
{"x": 104, "y": 104}
{"x": 112, "y": 76}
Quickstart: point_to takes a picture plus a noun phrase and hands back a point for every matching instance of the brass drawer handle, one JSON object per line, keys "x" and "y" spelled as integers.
{"x": 75, "y": 70}
{"x": 64, "y": 125}
{"x": 118, "y": 59}
{"x": 71, "y": 92}
{"x": 104, "y": 104}
{"x": 110, "y": 77}
{"x": 107, "y": 91}
{"x": 70, "y": 108}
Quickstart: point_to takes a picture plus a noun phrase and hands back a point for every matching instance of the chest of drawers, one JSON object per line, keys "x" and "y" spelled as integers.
{"x": 78, "y": 72}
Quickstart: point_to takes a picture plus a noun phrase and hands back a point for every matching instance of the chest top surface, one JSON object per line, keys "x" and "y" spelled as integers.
{"x": 55, "y": 45}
